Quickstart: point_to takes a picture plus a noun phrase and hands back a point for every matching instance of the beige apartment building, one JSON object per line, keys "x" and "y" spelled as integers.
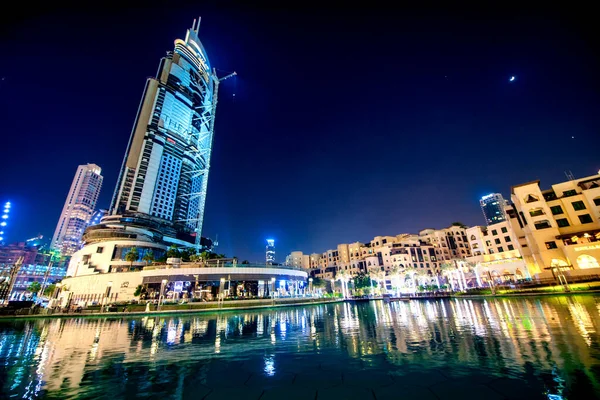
{"x": 425, "y": 252}
{"x": 561, "y": 224}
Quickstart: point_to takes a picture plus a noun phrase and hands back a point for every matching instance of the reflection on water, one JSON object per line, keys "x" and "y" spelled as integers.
{"x": 550, "y": 342}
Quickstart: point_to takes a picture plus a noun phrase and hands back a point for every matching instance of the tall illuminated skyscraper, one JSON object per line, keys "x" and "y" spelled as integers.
{"x": 165, "y": 170}
{"x": 161, "y": 190}
{"x": 270, "y": 252}
{"x": 78, "y": 209}
{"x": 492, "y": 206}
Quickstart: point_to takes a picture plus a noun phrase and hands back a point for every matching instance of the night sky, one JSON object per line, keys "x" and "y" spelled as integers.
{"x": 345, "y": 124}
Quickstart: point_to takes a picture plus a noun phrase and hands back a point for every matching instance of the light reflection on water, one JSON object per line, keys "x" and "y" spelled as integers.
{"x": 137, "y": 357}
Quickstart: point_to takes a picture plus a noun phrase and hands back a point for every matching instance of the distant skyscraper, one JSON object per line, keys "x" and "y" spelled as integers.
{"x": 165, "y": 169}
{"x": 78, "y": 209}
{"x": 492, "y": 206}
{"x": 270, "y": 253}
{"x": 4, "y": 221}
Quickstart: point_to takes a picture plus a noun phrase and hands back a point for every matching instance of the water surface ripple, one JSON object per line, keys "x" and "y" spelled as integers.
{"x": 518, "y": 348}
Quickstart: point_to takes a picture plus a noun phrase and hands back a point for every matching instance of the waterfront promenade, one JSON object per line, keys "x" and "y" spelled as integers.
{"x": 172, "y": 308}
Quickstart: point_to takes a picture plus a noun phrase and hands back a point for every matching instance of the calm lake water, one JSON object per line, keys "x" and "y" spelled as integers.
{"x": 523, "y": 348}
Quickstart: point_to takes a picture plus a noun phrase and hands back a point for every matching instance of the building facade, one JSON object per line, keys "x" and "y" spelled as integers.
{"x": 161, "y": 190}
{"x": 270, "y": 252}
{"x": 166, "y": 165}
{"x": 298, "y": 260}
{"x": 561, "y": 225}
{"x": 78, "y": 209}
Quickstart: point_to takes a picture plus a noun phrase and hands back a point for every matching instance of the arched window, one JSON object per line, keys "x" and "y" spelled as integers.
{"x": 557, "y": 262}
{"x": 530, "y": 198}
{"x": 584, "y": 262}
{"x": 473, "y": 237}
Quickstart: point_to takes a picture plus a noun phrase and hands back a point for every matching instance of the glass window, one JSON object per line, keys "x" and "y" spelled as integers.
{"x": 568, "y": 193}
{"x": 536, "y": 212}
{"x": 99, "y": 249}
{"x": 507, "y": 239}
{"x": 494, "y": 232}
{"x": 542, "y": 224}
{"x": 500, "y": 249}
{"x": 504, "y": 230}
{"x": 585, "y": 218}
{"x": 578, "y": 205}
{"x": 597, "y": 201}
{"x": 556, "y": 210}
{"x": 562, "y": 222}
{"x": 497, "y": 241}
{"x": 511, "y": 247}
{"x": 551, "y": 245}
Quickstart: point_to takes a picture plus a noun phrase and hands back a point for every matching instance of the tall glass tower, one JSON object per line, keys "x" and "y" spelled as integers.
{"x": 492, "y": 206}
{"x": 270, "y": 252}
{"x": 164, "y": 175}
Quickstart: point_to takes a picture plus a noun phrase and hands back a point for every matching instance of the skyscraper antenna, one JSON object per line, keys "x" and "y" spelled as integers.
{"x": 198, "y": 26}
{"x": 194, "y": 25}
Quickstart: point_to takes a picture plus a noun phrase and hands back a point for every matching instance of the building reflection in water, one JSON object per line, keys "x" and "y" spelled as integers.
{"x": 496, "y": 336}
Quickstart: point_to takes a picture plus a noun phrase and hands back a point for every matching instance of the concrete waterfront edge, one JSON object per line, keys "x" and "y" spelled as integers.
{"x": 171, "y": 312}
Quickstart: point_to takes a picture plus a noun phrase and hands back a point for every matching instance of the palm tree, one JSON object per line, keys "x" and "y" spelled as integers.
{"x": 343, "y": 276}
{"x": 395, "y": 273}
{"x": 131, "y": 256}
{"x": 148, "y": 257}
{"x": 379, "y": 277}
{"x": 417, "y": 276}
{"x": 173, "y": 252}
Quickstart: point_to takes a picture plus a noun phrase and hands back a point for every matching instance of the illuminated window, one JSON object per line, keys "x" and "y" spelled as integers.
{"x": 584, "y": 262}
{"x": 551, "y": 245}
{"x": 535, "y": 212}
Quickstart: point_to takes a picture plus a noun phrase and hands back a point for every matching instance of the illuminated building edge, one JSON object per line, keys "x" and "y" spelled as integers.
{"x": 91, "y": 288}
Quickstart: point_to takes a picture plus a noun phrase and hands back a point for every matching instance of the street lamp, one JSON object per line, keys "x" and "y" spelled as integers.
{"x": 107, "y": 292}
{"x": 222, "y": 288}
{"x": 273, "y": 288}
{"x": 161, "y": 295}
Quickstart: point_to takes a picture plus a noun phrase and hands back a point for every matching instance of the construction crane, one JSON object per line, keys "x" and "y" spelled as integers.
{"x": 227, "y": 76}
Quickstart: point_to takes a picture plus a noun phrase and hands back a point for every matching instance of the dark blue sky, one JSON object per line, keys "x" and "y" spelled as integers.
{"x": 346, "y": 124}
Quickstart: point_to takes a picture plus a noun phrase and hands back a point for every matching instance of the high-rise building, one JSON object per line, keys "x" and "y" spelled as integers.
{"x": 492, "y": 206}
{"x": 4, "y": 221}
{"x": 270, "y": 252}
{"x": 78, "y": 209}
{"x": 161, "y": 190}
{"x": 165, "y": 169}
